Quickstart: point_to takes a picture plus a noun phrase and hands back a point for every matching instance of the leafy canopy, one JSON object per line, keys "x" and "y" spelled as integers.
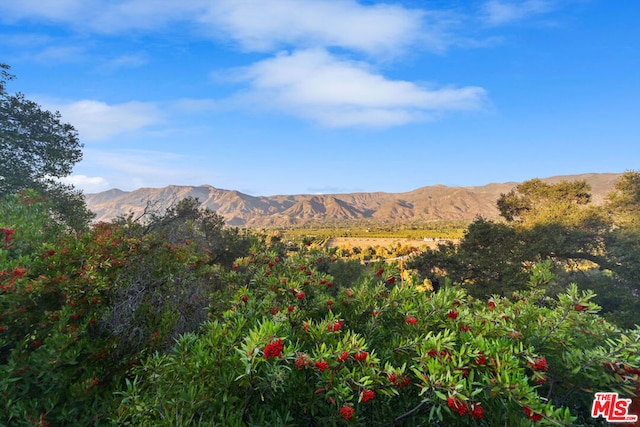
{"x": 37, "y": 149}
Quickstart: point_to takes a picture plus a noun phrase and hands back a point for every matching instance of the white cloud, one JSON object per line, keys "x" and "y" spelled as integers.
{"x": 88, "y": 184}
{"x": 264, "y": 25}
{"x": 103, "y": 16}
{"x": 337, "y": 92}
{"x": 128, "y": 169}
{"x": 97, "y": 120}
{"x": 499, "y": 12}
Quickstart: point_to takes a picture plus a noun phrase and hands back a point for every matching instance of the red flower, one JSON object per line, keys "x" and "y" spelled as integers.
{"x": 411, "y": 320}
{"x": 273, "y": 349}
{"x": 346, "y": 412}
{"x": 465, "y": 328}
{"x": 456, "y": 405}
{"x": 361, "y": 356}
{"x": 19, "y": 272}
{"x": 344, "y": 356}
{"x": 540, "y": 364}
{"x": 534, "y": 416}
{"x": 300, "y": 295}
{"x": 302, "y": 361}
{"x": 234, "y": 266}
{"x": 367, "y": 395}
{"x": 270, "y": 264}
{"x": 335, "y": 327}
{"x": 8, "y": 234}
{"x": 321, "y": 365}
{"x": 274, "y": 310}
{"x": 541, "y": 380}
{"x": 305, "y": 326}
{"x": 391, "y": 280}
{"x": 492, "y": 305}
{"x": 476, "y": 411}
{"x": 580, "y": 307}
{"x": 291, "y": 308}
{"x": 244, "y": 298}
{"x": 405, "y": 381}
{"x": 456, "y": 304}
{"x": 379, "y": 272}
{"x": 481, "y": 360}
{"x": 452, "y": 315}
{"x": 329, "y": 284}
{"x": 374, "y": 313}
{"x": 36, "y": 344}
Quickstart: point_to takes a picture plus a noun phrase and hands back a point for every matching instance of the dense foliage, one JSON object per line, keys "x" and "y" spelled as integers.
{"x": 595, "y": 246}
{"x": 36, "y": 150}
{"x": 177, "y": 322}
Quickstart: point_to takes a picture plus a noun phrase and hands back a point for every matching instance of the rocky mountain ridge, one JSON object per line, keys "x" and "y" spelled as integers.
{"x": 437, "y": 202}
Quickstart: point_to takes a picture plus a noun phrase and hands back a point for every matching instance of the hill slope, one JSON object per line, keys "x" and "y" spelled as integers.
{"x": 436, "y": 202}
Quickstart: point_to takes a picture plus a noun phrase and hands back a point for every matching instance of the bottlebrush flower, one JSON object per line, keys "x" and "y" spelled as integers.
{"x": 302, "y": 361}
{"x": 492, "y": 305}
{"x": 19, "y": 272}
{"x": 347, "y": 412}
{"x": 321, "y": 365}
{"x": 300, "y": 295}
{"x": 580, "y": 307}
{"x": 8, "y": 234}
{"x": 531, "y": 414}
{"x": 540, "y": 364}
{"x": 391, "y": 280}
{"x": 411, "y": 320}
{"x": 456, "y": 405}
{"x": 335, "y": 327}
{"x": 476, "y": 411}
{"x": 481, "y": 360}
{"x": 452, "y": 315}
{"x": 367, "y": 395}
{"x": 361, "y": 356}
{"x": 379, "y": 272}
{"x": 273, "y": 349}
{"x": 344, "y": 356}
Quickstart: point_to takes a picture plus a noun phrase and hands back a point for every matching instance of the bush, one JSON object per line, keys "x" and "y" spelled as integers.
{"x": 295, "y": 348}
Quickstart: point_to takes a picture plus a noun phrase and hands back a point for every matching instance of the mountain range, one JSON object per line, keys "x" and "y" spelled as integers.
{"x": 431, "y": 203}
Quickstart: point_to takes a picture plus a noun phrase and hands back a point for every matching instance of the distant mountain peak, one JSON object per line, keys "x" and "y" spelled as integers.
{"x": 436, "y": 202}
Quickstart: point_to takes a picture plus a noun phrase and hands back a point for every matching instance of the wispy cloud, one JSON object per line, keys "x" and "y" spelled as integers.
{"x": 128, "y": 169}
{"x": 96, "y": 121}
{"x": 104, "y": 16}
{"x": 340, "y": 92}
{"x": 265, "y": 25}
{"x": 88, "y": 184}
{"x": 499, "y": 12}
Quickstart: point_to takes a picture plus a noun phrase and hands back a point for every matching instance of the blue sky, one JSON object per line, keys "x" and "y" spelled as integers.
{"x": 326, "y": 96}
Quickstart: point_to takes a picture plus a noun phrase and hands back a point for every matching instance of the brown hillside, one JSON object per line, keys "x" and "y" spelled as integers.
{"x": 436, "y": 202}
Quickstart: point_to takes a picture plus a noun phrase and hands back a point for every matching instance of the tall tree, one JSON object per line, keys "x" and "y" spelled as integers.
{"x": 36, "y": 150}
